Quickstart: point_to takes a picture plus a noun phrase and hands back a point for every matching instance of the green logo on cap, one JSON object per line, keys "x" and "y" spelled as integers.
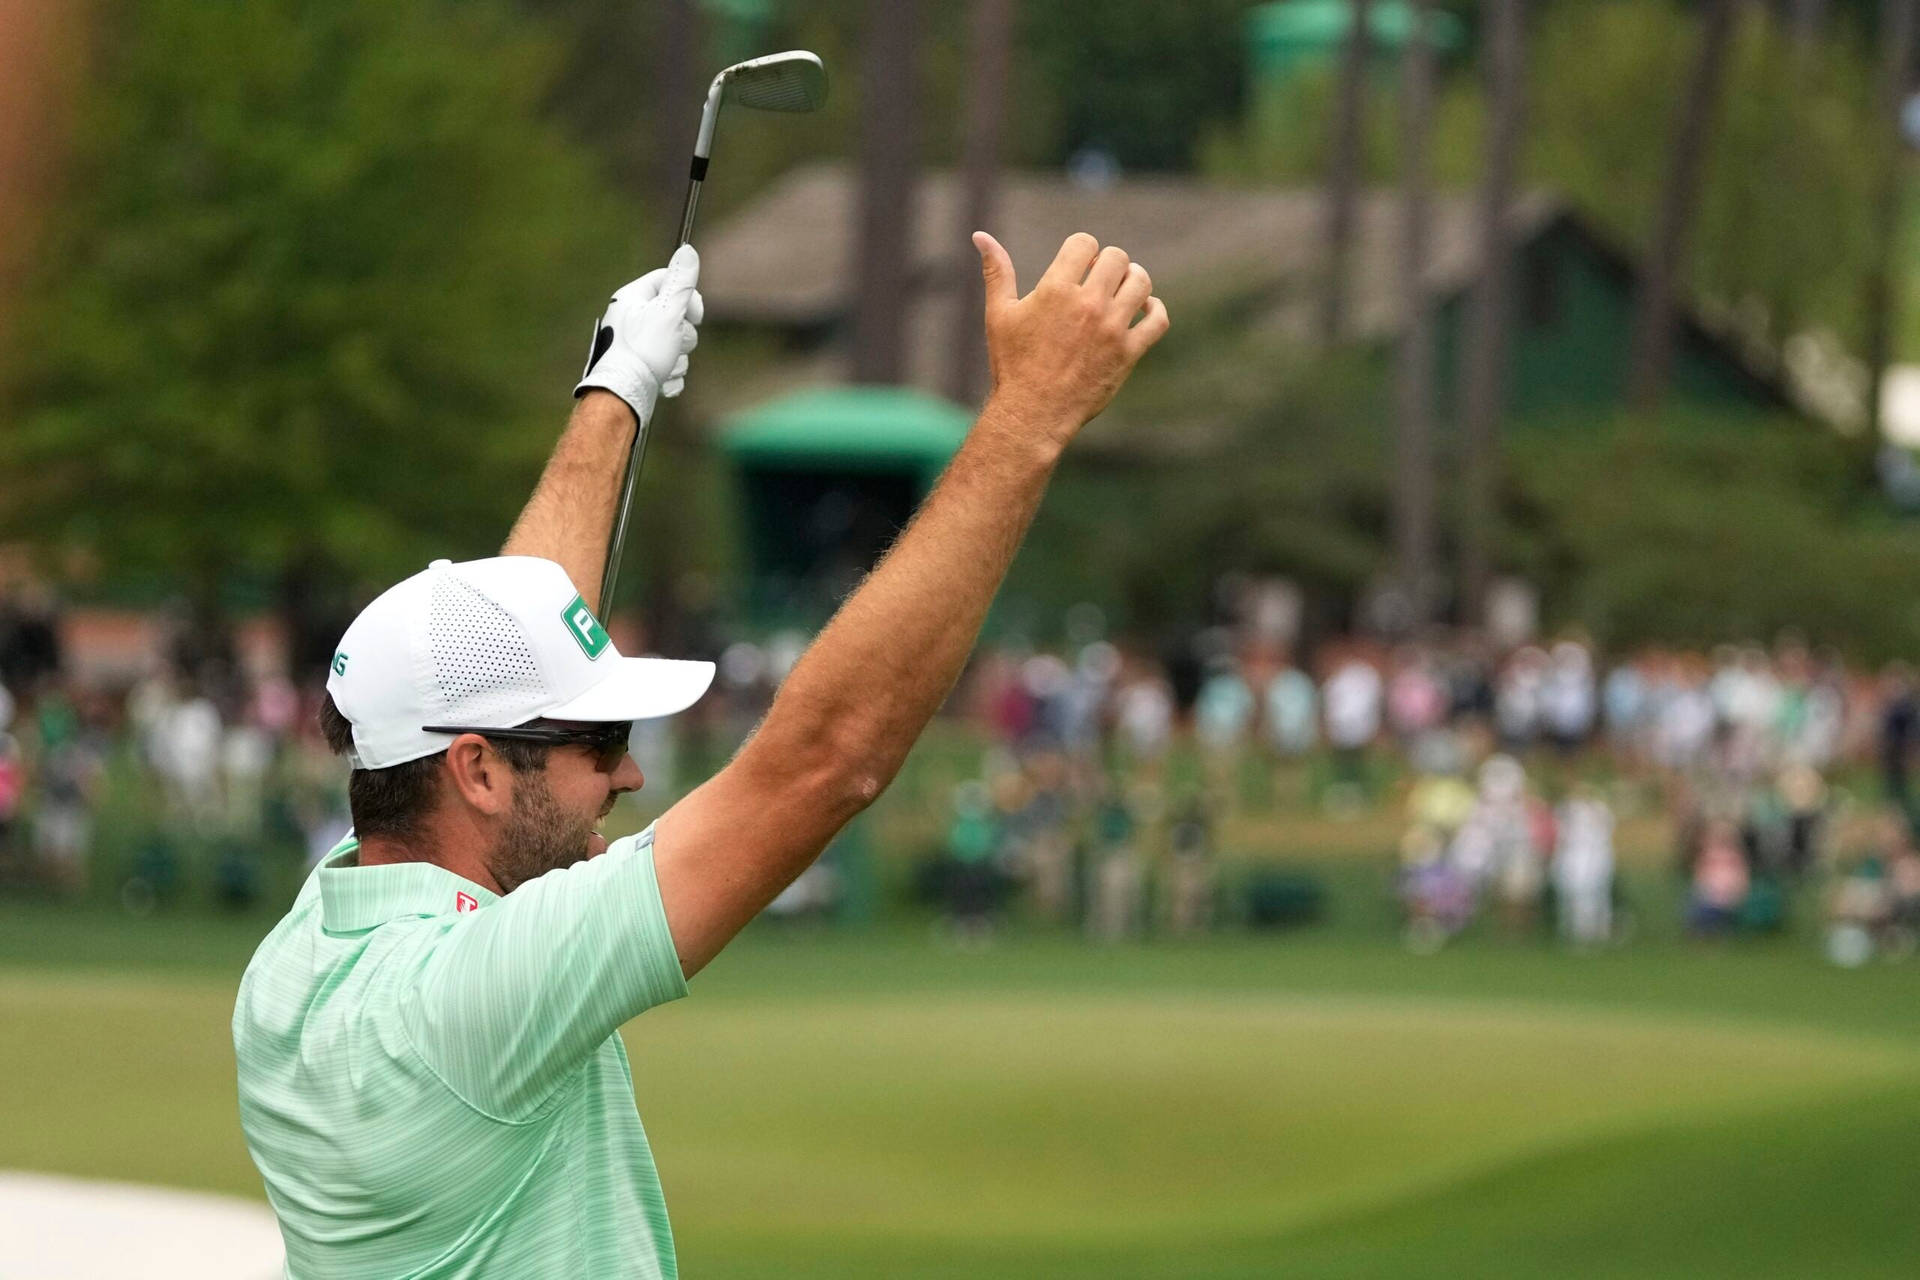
{"x": 340, "y": 664}
{"x": 585, "y": 628}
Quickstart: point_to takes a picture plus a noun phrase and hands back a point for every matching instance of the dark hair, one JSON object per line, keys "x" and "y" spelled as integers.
{"x": 393, "y": 801}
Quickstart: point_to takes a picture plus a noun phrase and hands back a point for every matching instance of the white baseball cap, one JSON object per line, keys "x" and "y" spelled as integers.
{"x": 489, "y": 644}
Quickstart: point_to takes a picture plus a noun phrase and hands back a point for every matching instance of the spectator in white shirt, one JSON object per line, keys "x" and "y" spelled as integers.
{"x": 1583, "y": 869}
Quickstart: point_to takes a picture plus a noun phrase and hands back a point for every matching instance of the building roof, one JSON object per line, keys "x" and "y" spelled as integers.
{"x": 786, "y": 260}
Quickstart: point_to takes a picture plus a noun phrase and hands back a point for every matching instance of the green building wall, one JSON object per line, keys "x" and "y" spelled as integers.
{"x": 1573, "y": 325}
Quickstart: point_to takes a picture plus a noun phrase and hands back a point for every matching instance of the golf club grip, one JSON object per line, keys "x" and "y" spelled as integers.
{"x": 637, "y": 451}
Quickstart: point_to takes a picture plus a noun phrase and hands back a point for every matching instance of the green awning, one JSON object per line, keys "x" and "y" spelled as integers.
{"x": 1284, "y": 35}
{"x": 889, "y": 429}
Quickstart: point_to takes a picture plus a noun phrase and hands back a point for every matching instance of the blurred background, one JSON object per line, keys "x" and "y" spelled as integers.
{"x": 1434, "y": 796}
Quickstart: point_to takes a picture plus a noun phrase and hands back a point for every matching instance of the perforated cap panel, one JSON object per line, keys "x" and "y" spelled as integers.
{"x": 482, "y": 662}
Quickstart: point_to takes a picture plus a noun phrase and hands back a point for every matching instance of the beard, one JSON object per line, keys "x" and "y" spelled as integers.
{"x": 540, "y": 835}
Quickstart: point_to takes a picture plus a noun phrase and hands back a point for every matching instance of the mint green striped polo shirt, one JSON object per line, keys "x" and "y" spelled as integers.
{"x": 430, "y": 1079}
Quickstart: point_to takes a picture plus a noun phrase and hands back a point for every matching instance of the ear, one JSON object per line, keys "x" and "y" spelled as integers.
{"x": 480, "y": 778}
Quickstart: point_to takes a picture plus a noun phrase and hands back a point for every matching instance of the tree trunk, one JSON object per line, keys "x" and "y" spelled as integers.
{"x": 315, "y": 609}
{"x": 1413, "y": 490}
{"x": 1665, "y": 263}
{"x": 203, "y": 649}
{"x": 39, "y": 71}
{"x": 1804, "y": 20}
{"x": 1483, "y": 373}
{"x": 980, "y": 167}
{"x": 677, "y": 88}
{"x": 1897, "y": 23}
{"x": 1344, "y": 167}
{"x": 888, "y": 170}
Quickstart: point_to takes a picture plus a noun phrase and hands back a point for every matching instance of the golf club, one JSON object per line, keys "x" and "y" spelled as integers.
{"x": 793, "y": 81}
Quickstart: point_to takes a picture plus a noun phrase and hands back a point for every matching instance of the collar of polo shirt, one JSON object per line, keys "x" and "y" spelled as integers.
{"x": 353, "y": 897}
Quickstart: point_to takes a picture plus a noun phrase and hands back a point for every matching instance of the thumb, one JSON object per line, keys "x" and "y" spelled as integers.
{"x": 997, "y": 269}
{"x": 683, "y": 271}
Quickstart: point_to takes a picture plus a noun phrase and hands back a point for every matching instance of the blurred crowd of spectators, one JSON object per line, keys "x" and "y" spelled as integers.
{"x": 1510, "y": 767}
{"x": 216, "y": 768}
{"x": 1112, "y": 777}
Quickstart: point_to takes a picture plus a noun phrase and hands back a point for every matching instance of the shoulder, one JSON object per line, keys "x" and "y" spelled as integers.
{"x": 284, "y": 942}
{"x": 302, "y": 978}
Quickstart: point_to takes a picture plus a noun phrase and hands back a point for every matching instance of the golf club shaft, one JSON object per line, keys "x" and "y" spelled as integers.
{"x": 791, "y": 81}
{"x": 637, "y": 452}
{"x": 692, "y": 205}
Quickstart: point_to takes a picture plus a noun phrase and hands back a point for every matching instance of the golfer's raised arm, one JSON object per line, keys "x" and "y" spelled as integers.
{"x": 851, "y": 709}
{"x": 638, "y": 354}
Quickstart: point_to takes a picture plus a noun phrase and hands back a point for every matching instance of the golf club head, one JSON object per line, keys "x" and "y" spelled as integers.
{"x": 792, "y": 81}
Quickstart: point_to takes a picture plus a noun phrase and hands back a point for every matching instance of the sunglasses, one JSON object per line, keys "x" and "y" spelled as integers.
{"x": 607, "y": 743}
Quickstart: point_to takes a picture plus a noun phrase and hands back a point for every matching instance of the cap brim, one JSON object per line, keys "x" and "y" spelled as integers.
{"x": 639, "y": 689}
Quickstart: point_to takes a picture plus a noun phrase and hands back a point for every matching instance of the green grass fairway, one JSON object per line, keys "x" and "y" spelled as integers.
{"x": 878, "y": 1106}
{"x": 1200, "y": 1128}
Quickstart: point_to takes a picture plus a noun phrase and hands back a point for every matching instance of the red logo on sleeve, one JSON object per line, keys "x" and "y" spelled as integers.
{"x": 464, "y": 902}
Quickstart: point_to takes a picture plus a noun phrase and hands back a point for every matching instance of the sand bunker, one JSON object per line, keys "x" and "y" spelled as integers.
{"x": 54, "y": 1228}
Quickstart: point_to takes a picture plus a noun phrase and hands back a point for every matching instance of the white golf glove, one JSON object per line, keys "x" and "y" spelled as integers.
{"x": 640, "y": 346}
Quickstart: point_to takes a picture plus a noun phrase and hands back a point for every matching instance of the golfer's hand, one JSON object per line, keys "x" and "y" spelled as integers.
{"x": 640, "y": 347}
{"x": 1061, "y": 353}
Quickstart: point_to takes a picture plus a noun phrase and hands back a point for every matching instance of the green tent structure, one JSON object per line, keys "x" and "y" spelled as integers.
{"x": 1292, "y": 44}
{"x": 1287, "y": 38}
{"x": 827, "y": 477}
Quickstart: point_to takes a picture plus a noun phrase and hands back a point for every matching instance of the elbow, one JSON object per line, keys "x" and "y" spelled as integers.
{"x": 857, "y": 765}
{"x": 827, "y": 774}
{"x": 862, "y": 787}
{"x": 844, "y": 786}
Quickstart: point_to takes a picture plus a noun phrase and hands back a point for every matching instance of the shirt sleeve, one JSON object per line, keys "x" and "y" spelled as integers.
{"x": 516, "y": 996}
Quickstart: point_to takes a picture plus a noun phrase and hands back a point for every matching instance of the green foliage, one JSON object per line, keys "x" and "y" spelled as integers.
{"x": 604, "y": 90}
{"x": 1710, "y": 529}
{"x": 1145, "y": 79}
{"x": 608, "y": 94}
{"x": 1784, "y": 221}
{"x": 1284, "y": 473}
{"x": 316, "y": 290}
{"x": 1140, "y": 78}
{"x": 1710, "y": 526}
{"x": 1287, "y": 136}
{"x": 1784, "y": 229}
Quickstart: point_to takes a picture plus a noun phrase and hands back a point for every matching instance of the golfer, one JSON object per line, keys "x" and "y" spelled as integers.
{"x": 430, "y": 1079}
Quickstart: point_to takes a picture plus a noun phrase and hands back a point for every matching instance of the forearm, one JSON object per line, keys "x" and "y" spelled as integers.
{"x": 850, "y": 710}
{"x": 876, "y": 675}
{"x": 570, "y": 515}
